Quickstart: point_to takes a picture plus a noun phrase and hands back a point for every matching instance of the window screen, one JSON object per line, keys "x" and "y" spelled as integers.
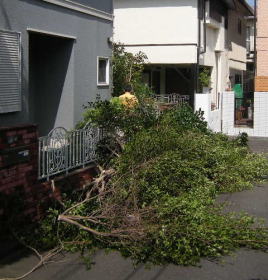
{"x": 10, "y": 72}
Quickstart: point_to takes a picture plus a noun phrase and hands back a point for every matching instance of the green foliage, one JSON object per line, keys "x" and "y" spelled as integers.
{"x": 127, "y": 69}
{"x": 183, "y": 118}
{"x": 167, "y": 175}
{"x": 205, "y": 78}
{"x": 180, "y": 176}
{"x": 242, "y": 139}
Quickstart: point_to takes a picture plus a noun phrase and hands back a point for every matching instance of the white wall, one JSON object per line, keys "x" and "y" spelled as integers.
{"x": 228, "y": 112}
{"x": 261, "y": 114}
{"x": 164, "y": 24}
{"x": 167, "y": 54}
{"x": 155, "y": 21}
{"x": 216, "y": 56}
{"x": 213, "y": 118}
{"x": 237, "y": 42}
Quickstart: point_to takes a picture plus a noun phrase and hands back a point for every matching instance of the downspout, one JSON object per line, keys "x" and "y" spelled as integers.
{"x": 199, "y": 52}
{"x": 204, "y": 28}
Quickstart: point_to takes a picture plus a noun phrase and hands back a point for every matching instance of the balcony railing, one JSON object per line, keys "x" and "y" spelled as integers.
{"x": 244, "y": 108}
{"x": 173, "y": 98}
{"x": 62, "y": 151}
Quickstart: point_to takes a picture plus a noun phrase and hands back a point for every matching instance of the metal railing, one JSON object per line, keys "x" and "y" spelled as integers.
{"x": 173, "y": 98}
{"x": 244, "y": 108}
{"x": 62, "y": 150}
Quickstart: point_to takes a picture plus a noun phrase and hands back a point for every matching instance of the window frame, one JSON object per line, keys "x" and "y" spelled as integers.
{"x": 107, "y": 80}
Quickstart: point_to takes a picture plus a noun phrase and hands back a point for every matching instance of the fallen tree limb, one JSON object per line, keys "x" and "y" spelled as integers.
{"x": 88, "y": 229}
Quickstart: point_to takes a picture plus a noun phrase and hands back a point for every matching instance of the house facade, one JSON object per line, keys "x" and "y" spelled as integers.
{"x": 54, "y": 58}
{"x": 180, "y": 38}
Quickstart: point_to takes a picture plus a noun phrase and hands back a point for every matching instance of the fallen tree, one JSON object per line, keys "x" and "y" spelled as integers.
{"x": 154, "y": 197}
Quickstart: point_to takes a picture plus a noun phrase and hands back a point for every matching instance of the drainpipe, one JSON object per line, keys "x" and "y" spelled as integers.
{"x": 199, "y": 52}
{"x": 204, "y": 28}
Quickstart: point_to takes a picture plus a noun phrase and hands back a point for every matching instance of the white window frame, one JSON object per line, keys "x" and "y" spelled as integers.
{"x": 107, "y": 81}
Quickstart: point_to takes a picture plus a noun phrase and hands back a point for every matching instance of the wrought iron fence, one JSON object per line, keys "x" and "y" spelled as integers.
{"x": 62, "y": 150}
{"x": 244, "y": 108}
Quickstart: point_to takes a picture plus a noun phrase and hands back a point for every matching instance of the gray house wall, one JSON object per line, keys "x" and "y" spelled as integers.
{"x": 77, "y": 79}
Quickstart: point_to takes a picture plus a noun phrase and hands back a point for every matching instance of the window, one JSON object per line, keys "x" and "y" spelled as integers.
{"x": 10, "y": 72}
{"x": 238, "y": 79}
{"x": 226, "y": 22}
{"x": 239, "y": 26}
{"x": 248, "y": 40}
{"x": 103, "y": 71}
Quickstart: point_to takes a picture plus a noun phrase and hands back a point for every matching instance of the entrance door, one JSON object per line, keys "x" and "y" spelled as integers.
{"x": 50, "y": 81}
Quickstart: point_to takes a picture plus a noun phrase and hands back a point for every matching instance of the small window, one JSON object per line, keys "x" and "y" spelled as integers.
{"x": 239, "y": 26}
{"x": 103, "y": 71}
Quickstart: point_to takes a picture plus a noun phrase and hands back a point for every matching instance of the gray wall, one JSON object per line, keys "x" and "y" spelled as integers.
{"x": 81, "y": 77}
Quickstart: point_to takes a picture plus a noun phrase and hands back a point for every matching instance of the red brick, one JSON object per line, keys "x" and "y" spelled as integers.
{"x": 11, "y": 133}
{"x": 4, "y": 173}
{"x": 21, "y": 132}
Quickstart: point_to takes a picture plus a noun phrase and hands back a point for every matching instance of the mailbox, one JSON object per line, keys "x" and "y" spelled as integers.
{"x": 15, "y": 156}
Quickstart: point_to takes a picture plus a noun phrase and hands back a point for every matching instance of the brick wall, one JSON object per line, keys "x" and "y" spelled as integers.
{"x": 18, "y": 173}
{"x": 262, "y": 45}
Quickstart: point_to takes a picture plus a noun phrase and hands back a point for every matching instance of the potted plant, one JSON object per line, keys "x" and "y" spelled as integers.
{"x": 205, "y": 80}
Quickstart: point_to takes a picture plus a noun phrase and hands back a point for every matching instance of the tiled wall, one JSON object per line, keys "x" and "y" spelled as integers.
{"x": 228, "y": 112}
{"x": 222, "y": 120}
{"x": 215, "y": 120}
{"x": 261, "y": 114}
{"x": 260, "y": 127}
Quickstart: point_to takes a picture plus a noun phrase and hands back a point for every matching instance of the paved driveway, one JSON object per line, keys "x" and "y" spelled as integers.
{"x": 243, "y": 265}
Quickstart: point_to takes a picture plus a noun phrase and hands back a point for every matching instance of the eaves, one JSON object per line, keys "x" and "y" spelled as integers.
{"x": 81, "y": 8}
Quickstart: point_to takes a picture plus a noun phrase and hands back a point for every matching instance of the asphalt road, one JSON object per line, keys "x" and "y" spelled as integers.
{"x": 242, "y": 265}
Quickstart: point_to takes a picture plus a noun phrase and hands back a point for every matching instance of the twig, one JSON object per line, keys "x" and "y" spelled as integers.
{"x": 43, "y": 260}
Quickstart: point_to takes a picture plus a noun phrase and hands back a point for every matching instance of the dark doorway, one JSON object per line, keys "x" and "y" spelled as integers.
{"x": 49, "y": 60}
{"x": 179, "y": 80}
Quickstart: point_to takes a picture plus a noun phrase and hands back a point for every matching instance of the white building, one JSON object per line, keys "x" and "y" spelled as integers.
{"x": 180, "y": 37}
